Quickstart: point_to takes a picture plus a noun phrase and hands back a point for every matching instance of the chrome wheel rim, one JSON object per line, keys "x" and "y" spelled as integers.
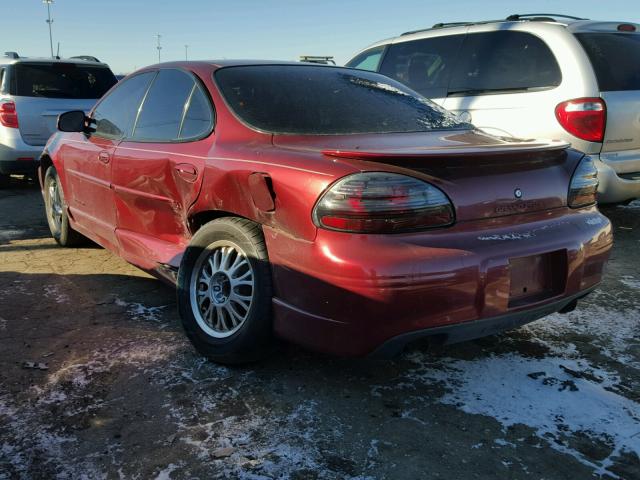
{"x": 55, "y": 205}
{"x": 222, "y": 289}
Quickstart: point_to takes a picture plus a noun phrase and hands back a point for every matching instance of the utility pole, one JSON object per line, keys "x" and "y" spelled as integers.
{"x": 186, "y": 52}
{"x": 159, "y": 47}
{"x": 49, "y": 21}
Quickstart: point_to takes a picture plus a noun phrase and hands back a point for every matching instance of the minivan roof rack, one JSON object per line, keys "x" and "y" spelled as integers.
{"x": 87, "y": 58}
{"x": 532, "y": 17}
{"x": 11, "y": 54}
{"x": 540, "y": 17}
{"x": 323, "y": 59}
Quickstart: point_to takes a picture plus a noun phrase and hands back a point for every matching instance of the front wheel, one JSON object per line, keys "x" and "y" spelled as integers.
{"x": 56, "y": 210}
{"x": 225, "y": 291}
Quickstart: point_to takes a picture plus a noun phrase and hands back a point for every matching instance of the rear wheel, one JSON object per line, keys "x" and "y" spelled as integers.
{"x": 225, "y": 290}
{"x": 56, "y": 210}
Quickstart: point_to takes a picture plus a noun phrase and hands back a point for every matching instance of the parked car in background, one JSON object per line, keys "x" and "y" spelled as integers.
{"x": 33, "y": 92}
{"x": 533, "y": 76}
{"x": 329, "y": 206}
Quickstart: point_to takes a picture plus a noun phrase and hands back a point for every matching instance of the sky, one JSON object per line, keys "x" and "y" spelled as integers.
{"x": 122, "y": 32}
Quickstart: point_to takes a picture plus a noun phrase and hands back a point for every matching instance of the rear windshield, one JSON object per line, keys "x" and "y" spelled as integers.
{"x": 62, "y": 80}
{"x": 327, "y": 101}
{"x": 615, "y": 58}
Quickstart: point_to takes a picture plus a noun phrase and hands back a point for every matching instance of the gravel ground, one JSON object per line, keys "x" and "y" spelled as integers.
{"x": 124, "y": 395}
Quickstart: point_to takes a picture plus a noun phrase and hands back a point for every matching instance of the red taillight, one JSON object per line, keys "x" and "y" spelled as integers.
{"x": 8, "y": 115}
{"x": 584, "y": 118}
{"x": 381, "y": 202}
{"x": 626, "y": 27}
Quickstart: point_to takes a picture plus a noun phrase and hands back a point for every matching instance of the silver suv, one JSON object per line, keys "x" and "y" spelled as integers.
{"x": 33, "y": 92}
{"x": 540, "y": 75}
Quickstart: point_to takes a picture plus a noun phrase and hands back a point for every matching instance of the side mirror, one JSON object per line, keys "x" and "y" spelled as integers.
{"x": 74, "y": 121}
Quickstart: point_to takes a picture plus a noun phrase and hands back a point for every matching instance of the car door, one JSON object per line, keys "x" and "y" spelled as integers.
{"x": 88, "y": 160}
{"x": 504, "y": 82}
{"x": 423, "y": 65}
{"x": 158, "y": 169}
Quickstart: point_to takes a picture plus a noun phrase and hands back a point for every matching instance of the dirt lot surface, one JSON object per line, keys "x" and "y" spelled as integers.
{"x": 124, "y": 395}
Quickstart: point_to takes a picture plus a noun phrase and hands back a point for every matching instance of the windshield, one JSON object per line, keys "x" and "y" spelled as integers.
{"x": 310, "y": 100}
{"x": 615, "y": 58}
{"x": 62, "y": 80}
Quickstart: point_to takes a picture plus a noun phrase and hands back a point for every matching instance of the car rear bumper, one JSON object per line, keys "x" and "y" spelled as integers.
{"x": 619, "y": 179}
{"x": 350, "y": 294}
{"x": 15, "y": 155}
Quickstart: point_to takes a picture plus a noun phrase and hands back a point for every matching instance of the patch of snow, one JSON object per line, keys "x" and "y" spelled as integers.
{"x": 138, "y": 311}
{"x": 630, "y": 281}
{"x": 165, "y": 474}
{"x": 543, "y": 395}
{"x": 53, "y": 292}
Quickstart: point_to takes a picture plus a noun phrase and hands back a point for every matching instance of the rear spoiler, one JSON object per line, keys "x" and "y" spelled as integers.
{"x": 477, "y": 150}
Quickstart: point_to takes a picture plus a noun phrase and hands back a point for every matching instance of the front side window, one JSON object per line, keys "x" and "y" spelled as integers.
{"x": 504, "y": 61}
{"x": 615, "y": 58}
{"x": 368, "y": 60}
{"x": 115, "y": 114}
{"x": 424, "y": 65}
{"x": 164, "y": 107}
{"x": 301, "y": 99}
{"x": 62, "y": 80}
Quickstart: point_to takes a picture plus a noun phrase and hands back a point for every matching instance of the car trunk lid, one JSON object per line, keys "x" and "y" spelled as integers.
{"x": 485, "y": 177}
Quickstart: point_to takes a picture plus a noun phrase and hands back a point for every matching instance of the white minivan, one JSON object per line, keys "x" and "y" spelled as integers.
{"x": 533, "y": 76}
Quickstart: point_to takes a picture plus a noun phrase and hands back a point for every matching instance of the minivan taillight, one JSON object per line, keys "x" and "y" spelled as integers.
{"x": 8, "y": 115}
{"x": 381, "y": 202}
{"x": 584, "y": 184}
{"x": 584, "y": 118}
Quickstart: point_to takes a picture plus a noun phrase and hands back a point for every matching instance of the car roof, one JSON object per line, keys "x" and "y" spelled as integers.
{"x": 230, "y": 63}
{"x": 8, "y": 60}
{"x": 537, "y": 21}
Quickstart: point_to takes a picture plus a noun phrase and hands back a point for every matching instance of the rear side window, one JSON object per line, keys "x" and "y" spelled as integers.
{"x": 615, "y": 58}
{"x": 61, "y": 80}
{"x": 423, "y": 65}
{"x": 164, "y": 106}
{"x": 309, "y": 100}
{"x": 368, "y": 60}
{"x": 504, "y": 61}
{"x": 198, "y": 118}
{"x": 115, "y": 114}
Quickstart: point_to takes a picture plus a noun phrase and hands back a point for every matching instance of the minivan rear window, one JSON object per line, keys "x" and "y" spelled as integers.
{"x": 615, "y": 58}
{"x": 311, "y": 100}
{"x": 62, "y": 80}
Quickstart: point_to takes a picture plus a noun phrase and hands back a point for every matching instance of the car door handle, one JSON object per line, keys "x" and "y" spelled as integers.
{"x": 104, "y": 157}
{"x": 187, "y": 172}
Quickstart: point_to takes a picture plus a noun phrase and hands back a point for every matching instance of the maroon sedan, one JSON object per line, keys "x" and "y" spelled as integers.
{"x": 331, "y": 207}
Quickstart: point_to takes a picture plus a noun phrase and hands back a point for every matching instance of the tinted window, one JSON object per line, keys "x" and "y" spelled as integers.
{"x": 62, "y": 80}
{"x": 368, "y": 60}
{"x": 116, "y": 113}
{"x": 1, "y": 80}
{"x": 503, "y": 61}
{"x": 326, "y": 100}
{"x": 164, "y": 106}
{"x": 198, "y": 118}
{"x": 615, "y": 58}
{"x": 424, "y": 65}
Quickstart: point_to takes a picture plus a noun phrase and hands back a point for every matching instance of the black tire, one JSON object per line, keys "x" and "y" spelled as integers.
{"x": 253, "y": 338}
{"x": 5, "y": 181}
{"x": 59, "y": 226}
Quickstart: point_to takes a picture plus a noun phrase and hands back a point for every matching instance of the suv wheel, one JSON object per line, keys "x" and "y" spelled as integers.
{"x": 225, "y": 291}
{"x": 56, "y": 210}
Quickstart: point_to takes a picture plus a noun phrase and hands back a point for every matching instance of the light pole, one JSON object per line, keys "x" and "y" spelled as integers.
{"x": 49, "y": 21}
{"x": 159, "y": 47}
{"x": 186, "y": 52}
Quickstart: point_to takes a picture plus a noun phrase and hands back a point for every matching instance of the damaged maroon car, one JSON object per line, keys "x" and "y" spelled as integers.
{"x": 331, "y": 207}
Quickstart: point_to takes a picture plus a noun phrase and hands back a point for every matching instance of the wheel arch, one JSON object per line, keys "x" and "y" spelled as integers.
{"x": 197, "y": 220}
